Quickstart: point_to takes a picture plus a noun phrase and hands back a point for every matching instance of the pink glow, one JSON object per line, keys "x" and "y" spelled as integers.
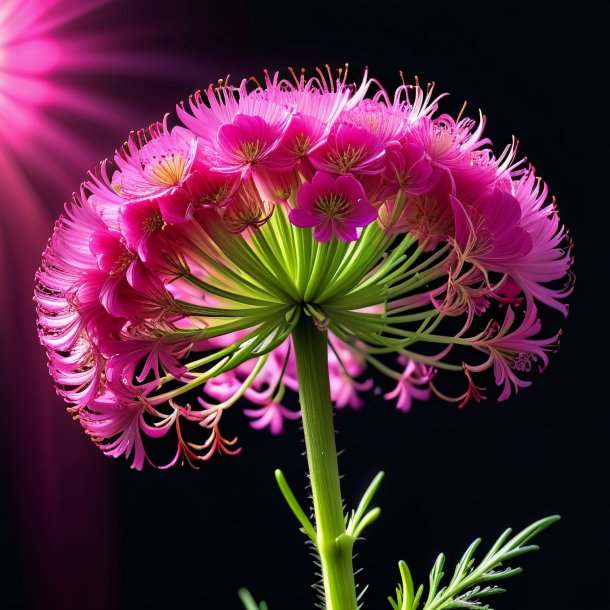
{"x": 51, "y": 100}
{"x": 27, "y": 54}
{"x": 33, "y": 57}
{"x": 43, "y": 53}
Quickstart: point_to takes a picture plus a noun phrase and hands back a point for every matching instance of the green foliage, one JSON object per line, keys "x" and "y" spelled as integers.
{"x": 357, "y": 521}
{"x": 248, "y": 601}
{"x": 470, "y": 583}
{"x": 295, "y": 507}
{"x": 359, "y": 518}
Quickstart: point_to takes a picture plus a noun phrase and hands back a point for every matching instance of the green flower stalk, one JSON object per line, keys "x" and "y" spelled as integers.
{"x": 288, "y": 237}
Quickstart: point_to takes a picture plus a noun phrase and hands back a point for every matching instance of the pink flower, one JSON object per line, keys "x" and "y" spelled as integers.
{"x": 70, "y": 314}
{"x": 344, "y": 390}
{"x": 222, "y": 387}
{"x": 225, "y": 103}
{"x": 104, "y": 198}
{"x": 115, "y": 421}
{"x": 413, "y": 384}
{"x": 317, "y": 102}
{"x": 246, "y": 142}
{"x": 147, "y": 299}
{"x": 467, "y": 292}
{"x": 175, "y": 207}
{"x": 264, "y": 387}
{"x": 385, "y": 122}
{"x": 303, "y": 134}
{"x": 417, "y": 104}
{"x": 489, "y": 232}
{"x": 319, "y": 97}
{"x": 204, "y": 188}
{"x": 408, "y": 167}
{"x": 247, "y": 210}
{"x": 477, "y": 175}
{"x": 447, "y": 143}
{"x": 240, "y": 129}
{"x": 113, "y": 260}
{"x": 278, "y": 187}
{"x": 334, "y": 206}
{"x": 512, "y": 351}
{"x": 123, "y": 286}
{"x": 153, "y": 161}
{"x": 549, "y": 257}
{"x": 141, "y": 224}
{"x": 344, "y": 368}
{"x": 272, "y": 416}
{"x": 110, "y": 251}
{"x": 163, "y": 349}
{"x": 210, "y": 188}
{"x": 429, "y": 216}
{"x": 349, "y": 149}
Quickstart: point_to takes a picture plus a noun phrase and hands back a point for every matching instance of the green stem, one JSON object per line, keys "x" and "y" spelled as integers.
{"x": 334, "y": 545}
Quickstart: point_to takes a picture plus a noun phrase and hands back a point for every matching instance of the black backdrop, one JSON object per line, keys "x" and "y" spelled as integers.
{"x": 182, "y": 539}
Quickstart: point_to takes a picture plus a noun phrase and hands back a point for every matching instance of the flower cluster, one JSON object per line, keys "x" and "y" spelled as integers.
{"x": 187, "y": 262}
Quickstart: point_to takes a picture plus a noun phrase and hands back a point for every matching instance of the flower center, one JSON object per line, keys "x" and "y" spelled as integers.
{"x": 301, "y": 145}
{"x": 343, "y": 160}
{"x": 216, "y": 196}
{"x": 333, "y": 205}
{"x": 443, "y": 139}
{"x": 153, "y": 222}
{"x": 248, "y": 216}
{"x": 251, "y": 151}
{"x": 425, "y": 216}
{"x": 122, "y": 262}
{"x": 168, "y": 169}
{"x": 523, "y": 362}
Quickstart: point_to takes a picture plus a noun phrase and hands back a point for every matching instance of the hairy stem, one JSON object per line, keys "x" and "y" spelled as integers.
{"x": 334, "y": 546}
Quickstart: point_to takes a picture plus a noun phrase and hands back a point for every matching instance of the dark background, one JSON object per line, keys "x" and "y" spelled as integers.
{"x": 80, "y": 531}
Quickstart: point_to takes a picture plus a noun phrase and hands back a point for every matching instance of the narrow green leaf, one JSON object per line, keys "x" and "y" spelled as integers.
{"x": 248, "y": 601}
{"x": 371, "y": 516}
{"x": 370, "y": 492}
{"x": 294, "y": 505}
{"x": 407, "y": 586}
{"x": 464, "y": 589}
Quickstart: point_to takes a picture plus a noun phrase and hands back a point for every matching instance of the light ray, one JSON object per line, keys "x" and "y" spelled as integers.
{"x": 62, "y": 63}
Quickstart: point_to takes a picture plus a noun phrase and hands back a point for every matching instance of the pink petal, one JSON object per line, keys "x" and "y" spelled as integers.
{"x": 346, "y": 232}
{"x": 305, "y": 196}
{"x": 363, "y": 214}
{"x": 322, "y": 183}
{"x": 350, "y": 187}
{"x": 324, "y": 232}
{"x": 176, "y": 206}
{"x": 303, "y": 219}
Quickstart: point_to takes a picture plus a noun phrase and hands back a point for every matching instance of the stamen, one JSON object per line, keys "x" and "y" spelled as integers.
{"x": 251, "y": 150}
{"x": 154, "y": 222}
{"x": 294, "y": 76}
{"x": 334, "y": 206}
{"x": 124, "y": 260}
{"x": 345, "y": 160}
{"x": 330, "y": 77}
{"x": 523, "y": 362}
{"x": 322, "y": 77}
{"x": 301, "y": 145}
{"x": 169, "y": 169}
{"x": 459, "y": 116}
